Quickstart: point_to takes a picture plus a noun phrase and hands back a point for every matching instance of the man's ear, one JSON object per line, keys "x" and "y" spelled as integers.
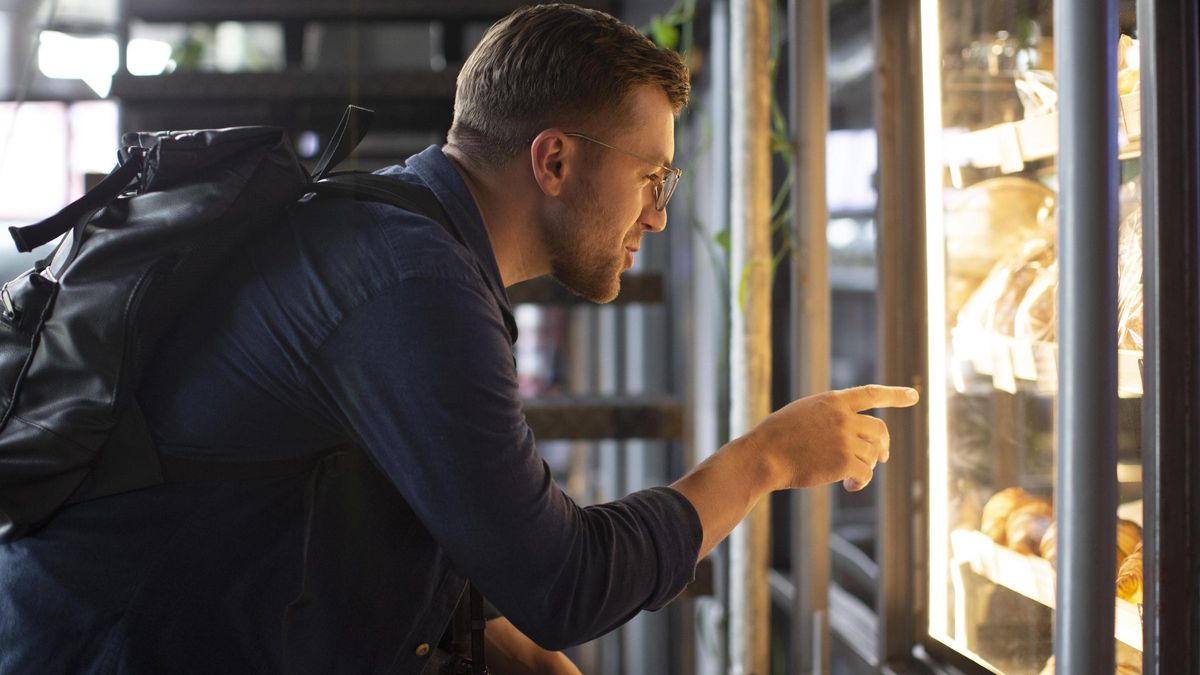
{"x": 550, "y": 155}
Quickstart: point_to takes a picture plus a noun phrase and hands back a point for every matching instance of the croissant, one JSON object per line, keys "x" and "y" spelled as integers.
{"x": 1129, "y": 537}
{"x": 1048, "y": 547}
{"x": 1129, "y": 579}
{"x": 1027, "y": 524}
{"x": 997, "y": 509}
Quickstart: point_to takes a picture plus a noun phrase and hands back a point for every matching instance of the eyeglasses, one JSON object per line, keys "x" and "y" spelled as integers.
{"x": 664, "y": 184}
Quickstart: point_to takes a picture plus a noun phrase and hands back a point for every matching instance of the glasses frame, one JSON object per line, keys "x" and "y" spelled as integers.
{"x": 664, "y": 185}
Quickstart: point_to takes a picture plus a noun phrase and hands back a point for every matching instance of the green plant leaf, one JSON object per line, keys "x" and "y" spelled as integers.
{"x": 666, "y": 34}
{"x": 723, "y": 240}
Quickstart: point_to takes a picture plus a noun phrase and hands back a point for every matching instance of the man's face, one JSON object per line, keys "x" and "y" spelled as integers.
{"x": 610, "y": 205}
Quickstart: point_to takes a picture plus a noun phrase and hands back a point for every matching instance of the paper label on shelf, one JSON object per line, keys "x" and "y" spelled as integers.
{"x": 1011, "y": 159}
{"x": 1038, "y": 136}
{"x": 1131, "y": 116}
{"x": 1024, "y": 363}
{"x": 1002, "y": 367}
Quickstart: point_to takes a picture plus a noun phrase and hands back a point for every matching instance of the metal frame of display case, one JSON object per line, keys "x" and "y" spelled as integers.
{"x": 1171, "y": 189}
{"x": 1168, "y": 32}
{"x": 901, "y": 264}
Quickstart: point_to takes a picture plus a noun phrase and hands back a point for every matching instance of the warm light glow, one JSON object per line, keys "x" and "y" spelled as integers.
{"x": 935, "y": 252}
{"x": 148, "y": 57}
{"x": 92, "y": 59}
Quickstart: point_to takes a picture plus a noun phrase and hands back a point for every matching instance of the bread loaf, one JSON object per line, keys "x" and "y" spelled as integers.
{"x": 1027, "y": 524}
{"x": 997, "y": 509}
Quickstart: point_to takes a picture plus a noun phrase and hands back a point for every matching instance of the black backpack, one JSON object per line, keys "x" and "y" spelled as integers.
{"x": 78, "y": 329}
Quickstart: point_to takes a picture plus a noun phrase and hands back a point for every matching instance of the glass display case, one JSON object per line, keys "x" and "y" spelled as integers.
{"x": 991, "y": 115}
{"x": 1038, "y": 267}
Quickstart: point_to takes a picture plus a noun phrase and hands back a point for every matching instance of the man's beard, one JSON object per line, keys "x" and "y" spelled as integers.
{"x": 581, "y": 258}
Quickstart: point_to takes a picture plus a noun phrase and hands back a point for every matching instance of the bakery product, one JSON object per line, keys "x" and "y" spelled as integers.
{"x": 1129, "y": 579}
{"x": 1129, "y": 282}
{"x": 1048, "y": 547}
{"x": 1027, "y": 524}
{"x": 1129, "y": 538}
{"x": 995, "y": 512}
{"x": 1036, "y": 315}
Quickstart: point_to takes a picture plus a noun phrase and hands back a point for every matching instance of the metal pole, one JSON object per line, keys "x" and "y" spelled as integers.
{"x": 900, "y": 599}
{"x": 1085, "y": 42}
{"x": 1171, "y": 253}
{"x": 750, "y": 311}
{"x": 808, "y": 21}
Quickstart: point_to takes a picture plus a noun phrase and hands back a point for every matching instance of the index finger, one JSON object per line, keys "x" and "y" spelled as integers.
{"x": 879, "y": 396}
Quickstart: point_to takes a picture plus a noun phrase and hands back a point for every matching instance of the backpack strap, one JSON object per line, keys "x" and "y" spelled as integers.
{"x": 371, "y": 187}
{"x": 478, "y": 624}
{"x": 29, "y": 237}
{"x": 414, "y": 198}
{"x": 351, "y": 129}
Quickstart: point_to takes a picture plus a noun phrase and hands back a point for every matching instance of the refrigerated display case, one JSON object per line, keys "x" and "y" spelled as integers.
{"x": 992, "y": 147}
{"x": 1038, "y": 221}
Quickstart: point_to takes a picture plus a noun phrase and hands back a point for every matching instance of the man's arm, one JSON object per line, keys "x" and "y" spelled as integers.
{"x": 813, "y": 441}
{"x": 509, "y": 652}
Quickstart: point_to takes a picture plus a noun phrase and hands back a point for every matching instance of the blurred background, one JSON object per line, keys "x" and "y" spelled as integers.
{"x": 914, "y": 148}
{"x": 620, "y": 396}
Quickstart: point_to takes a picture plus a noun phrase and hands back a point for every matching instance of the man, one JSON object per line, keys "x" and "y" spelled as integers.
{"x": 366, "y": 328}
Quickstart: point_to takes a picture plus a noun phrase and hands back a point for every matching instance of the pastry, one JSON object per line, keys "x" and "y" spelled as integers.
{"x": 1129, "y": 579}
{"x": 1129, "y": 538}
{"x": 1048, "y": 547}
{"x": 1027, "y": 524}
{"x": 996, "y": 510}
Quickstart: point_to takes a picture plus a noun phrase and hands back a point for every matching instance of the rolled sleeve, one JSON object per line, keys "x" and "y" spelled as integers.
{"x": 664, "y": 509}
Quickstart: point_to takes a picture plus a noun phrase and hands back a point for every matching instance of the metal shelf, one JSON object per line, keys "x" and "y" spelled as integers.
{"x": 1034, "y": 578}
{"x": 164, "y": 11}
{"x": 203, "y": 87}
{"x": 604, "y": 418}
{"x": 1011, "y": 145}
{"x": 635, "y": 288}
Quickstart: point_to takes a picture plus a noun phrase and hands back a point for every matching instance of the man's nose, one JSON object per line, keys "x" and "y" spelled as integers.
{"x": 653, "y": 219}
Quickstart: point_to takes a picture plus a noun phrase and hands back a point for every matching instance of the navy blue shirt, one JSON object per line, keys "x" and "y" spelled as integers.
{"x": 352, "y": 323}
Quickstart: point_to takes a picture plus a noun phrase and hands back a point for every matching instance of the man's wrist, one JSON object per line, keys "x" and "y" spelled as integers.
{"x": 755, "y": 461}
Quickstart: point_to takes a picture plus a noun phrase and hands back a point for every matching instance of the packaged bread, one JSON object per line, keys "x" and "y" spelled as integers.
{"x": 994, "y": 522}
{"x": 1129, "y": 282}
{"x": 1036, "y": 255}
{"x": 1027, "y": 524}
{"x": 1038, "y": 312}
{"x": 987, "y": 222}
{"x": 993, "y": 306}
{"x": 1129, "y": 578}
{"x": 1129, "y": 66}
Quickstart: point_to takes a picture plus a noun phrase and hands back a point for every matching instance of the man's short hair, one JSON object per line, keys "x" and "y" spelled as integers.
{"x": 555, "y": 65}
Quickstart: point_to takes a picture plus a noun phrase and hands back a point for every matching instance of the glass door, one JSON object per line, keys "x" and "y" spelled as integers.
{"x": 991, "y": 131}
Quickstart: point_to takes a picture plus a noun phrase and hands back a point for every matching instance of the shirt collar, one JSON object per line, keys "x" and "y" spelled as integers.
{"x": 432, "y": 168}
